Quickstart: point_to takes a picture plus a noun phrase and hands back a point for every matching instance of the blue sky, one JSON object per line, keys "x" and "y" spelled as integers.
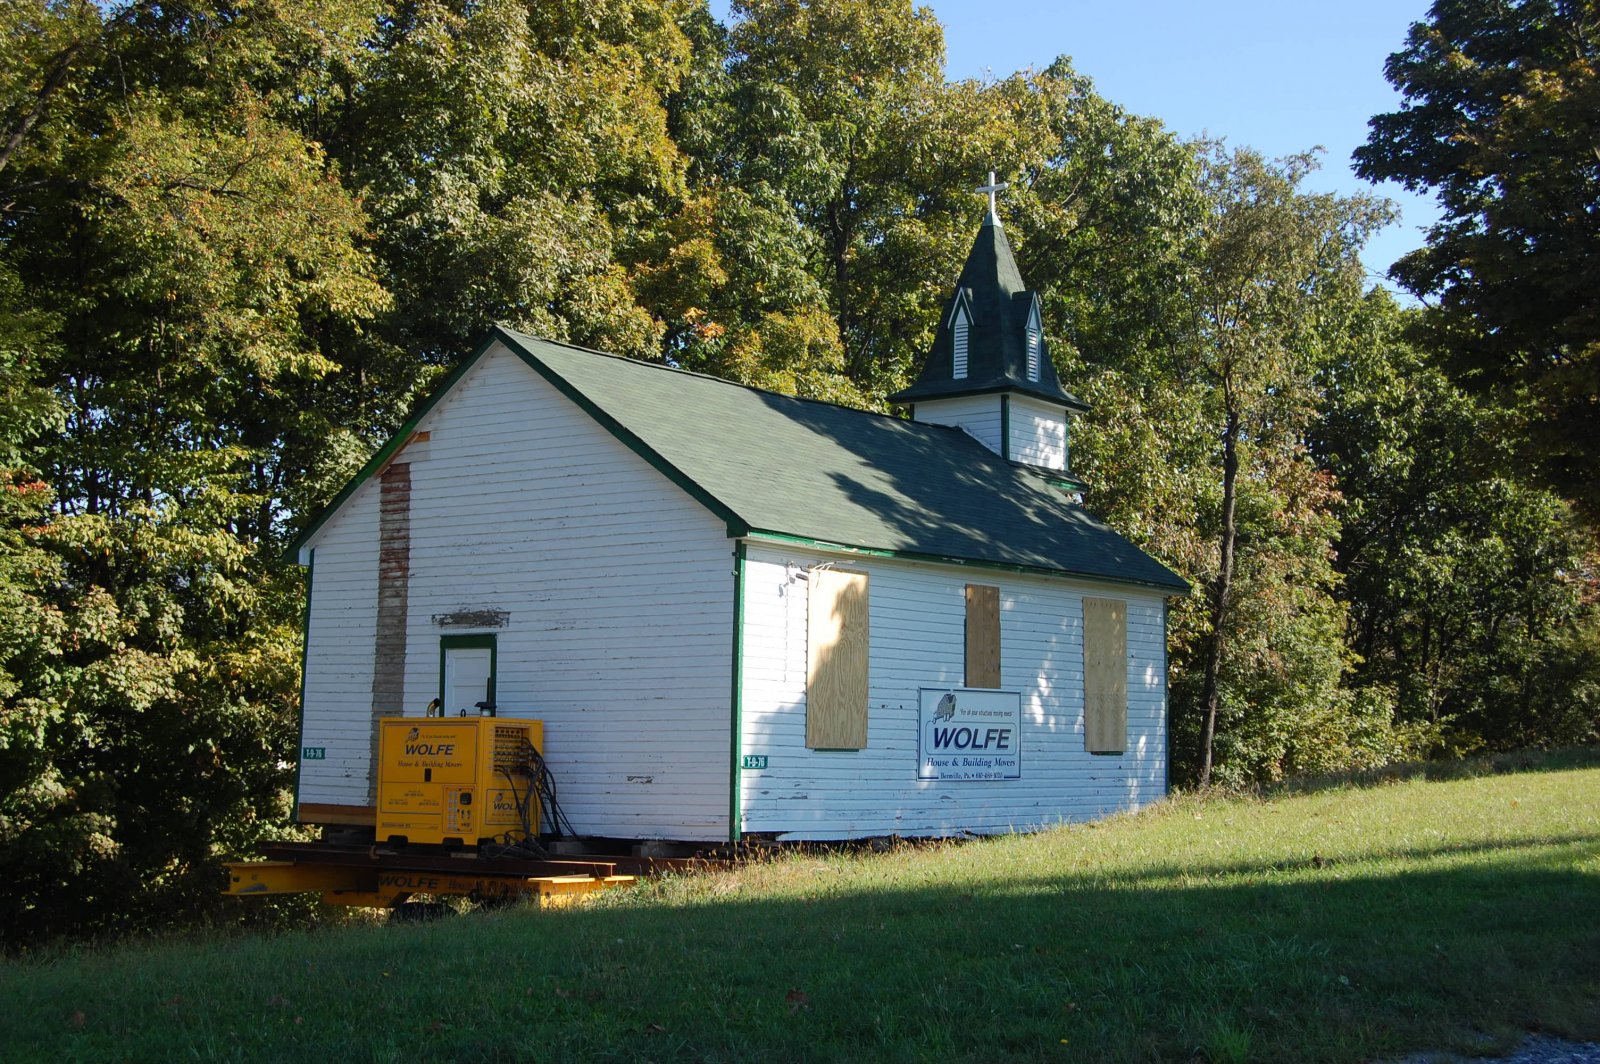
{"x": 1280, "y": 76}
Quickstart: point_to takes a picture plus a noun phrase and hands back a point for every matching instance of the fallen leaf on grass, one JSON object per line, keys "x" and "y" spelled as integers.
{"x": 797, "y": 999}
{"x": 654, "y": 1028}
{"x": 174, "y": 1000}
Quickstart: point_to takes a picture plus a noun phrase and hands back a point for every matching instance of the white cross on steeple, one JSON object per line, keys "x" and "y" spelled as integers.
{"x": 991, "y": 188}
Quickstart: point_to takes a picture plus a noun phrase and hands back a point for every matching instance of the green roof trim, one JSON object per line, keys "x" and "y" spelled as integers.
{"x": 376, "y": 463}
{"x": 831, "y": 474}
{"x": 500, "y": 334}
{"x": 1060, "y": 478}
{"x": 760, "y": 536}
{"x": 826, "y": 474}
{"x": 518, "y": 343}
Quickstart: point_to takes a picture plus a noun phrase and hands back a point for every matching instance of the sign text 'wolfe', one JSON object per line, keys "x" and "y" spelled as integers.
{"x": 969, "y": 735}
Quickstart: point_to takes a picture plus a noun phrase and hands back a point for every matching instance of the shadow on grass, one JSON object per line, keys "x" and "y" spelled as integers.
{"x": 856, "y": 965}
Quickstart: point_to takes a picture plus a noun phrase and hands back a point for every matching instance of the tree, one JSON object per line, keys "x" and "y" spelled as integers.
{"x": 506, "y": 151}
{"x": 1193, "y": 299}
{"x": 828, "y": 102}
{"x": 1471, "y": 592}
{"x": 1501, "y": 118}
{"x": 1276, "y": 278}
{"x": 188, "y": 269}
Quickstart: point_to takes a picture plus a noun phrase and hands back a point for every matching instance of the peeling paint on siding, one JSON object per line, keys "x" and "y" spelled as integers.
{"x": 465, "y": 618}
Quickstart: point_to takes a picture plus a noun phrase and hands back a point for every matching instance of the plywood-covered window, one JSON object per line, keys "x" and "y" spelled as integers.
{"x": 837, "y": 638}
{"x": 1105, "y": 675}
{"x": 983, "y": 636}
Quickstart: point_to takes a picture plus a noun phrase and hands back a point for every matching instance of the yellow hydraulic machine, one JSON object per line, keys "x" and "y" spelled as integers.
{"x": 458, "y": 781}
{"x": 458, "y": 813}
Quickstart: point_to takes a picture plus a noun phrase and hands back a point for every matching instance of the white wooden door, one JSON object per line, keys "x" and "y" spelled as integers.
{"x": 466, "y": 679}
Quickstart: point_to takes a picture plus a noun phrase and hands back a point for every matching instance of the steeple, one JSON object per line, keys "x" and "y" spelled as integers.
{"x": 989, "y": 369}
{"x": 989, "y": 336}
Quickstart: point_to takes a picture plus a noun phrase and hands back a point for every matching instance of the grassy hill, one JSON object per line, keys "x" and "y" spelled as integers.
{"x": 1346, "y": 923}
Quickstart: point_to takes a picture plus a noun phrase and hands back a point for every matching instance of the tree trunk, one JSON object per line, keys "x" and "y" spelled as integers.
{"x": 1222, "y": 588}
{"x": 839, "y": 253}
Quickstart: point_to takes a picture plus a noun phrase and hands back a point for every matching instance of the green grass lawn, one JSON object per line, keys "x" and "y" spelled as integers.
{"x": 1347, "y": 923}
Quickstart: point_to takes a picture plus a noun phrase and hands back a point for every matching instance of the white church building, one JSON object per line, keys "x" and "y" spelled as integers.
{"x": 738, "y": 612}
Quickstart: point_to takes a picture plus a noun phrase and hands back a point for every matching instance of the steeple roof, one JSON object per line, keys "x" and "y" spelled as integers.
{"x": 991, "y": 294}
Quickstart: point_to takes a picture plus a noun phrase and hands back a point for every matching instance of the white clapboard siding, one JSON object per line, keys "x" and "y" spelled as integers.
{"x": 917, "y": 641}
{"x": 978, "y": 414}
{"x": 343, "y": 622}
{"x": 618, "y": 590}
{"x": 1038, "y": 433}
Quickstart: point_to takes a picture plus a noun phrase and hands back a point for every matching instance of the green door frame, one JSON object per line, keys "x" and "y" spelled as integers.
{"x": 472, "y": 642}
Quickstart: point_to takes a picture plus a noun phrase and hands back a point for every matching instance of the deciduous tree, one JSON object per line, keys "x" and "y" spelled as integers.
{"x": 1501, "y": 120}
{"x": 1275, "y": 281}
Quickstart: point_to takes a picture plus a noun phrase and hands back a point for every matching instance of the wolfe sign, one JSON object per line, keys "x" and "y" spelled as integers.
{"x": 969, "y": 735}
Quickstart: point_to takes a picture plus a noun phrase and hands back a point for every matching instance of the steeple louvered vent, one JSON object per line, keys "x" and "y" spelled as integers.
{"x": 958, "y": 343}
{"x": 1034, "y": 343}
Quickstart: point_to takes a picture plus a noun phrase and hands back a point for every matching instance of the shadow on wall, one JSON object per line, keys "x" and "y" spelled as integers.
{"x": 934, "y": 487}
{"x": 873, "y": 789}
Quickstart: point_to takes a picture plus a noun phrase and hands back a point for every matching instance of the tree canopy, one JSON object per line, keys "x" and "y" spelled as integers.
{"x": 1501, "y": 120}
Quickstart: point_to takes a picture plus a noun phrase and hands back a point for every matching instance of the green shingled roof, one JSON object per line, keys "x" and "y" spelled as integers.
{"x": 774, "y": 464}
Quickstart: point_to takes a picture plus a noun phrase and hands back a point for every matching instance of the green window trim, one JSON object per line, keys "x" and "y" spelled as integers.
{"x": 472, "y": 642}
